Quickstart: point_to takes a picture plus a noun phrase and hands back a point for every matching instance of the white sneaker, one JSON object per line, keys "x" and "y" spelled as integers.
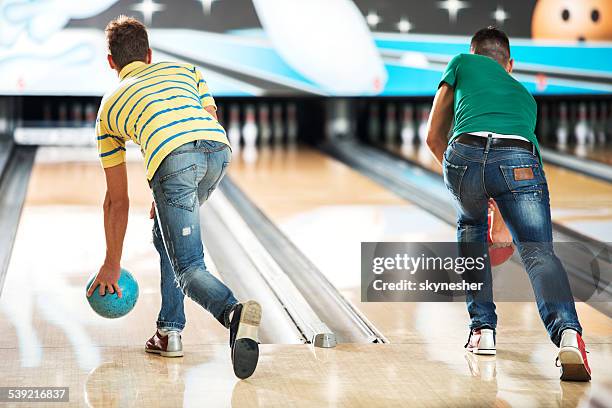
{"x": 481, "y": 341}
{"x": 573, "y": 357}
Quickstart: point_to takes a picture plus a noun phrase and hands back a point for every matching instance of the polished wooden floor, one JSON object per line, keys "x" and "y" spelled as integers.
{"x": 51, "y": 337}
{"x": 306, "y": 193}
{"x": 597, "y": 152}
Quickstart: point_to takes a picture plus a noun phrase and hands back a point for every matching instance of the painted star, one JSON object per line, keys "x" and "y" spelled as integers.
{"x": 373, "y": 19}
{"x": 148, "y": 8}
{"x": 404, "y": 25}
{"x": 453, "y": 7}
{"x": 500, "y": 15}
{"x": 207, "y": 5}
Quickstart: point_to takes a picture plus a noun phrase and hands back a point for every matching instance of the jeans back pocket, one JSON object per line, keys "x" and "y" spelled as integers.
{"x": 180, "y": 187}
{"x": 453, "y": 176}
{"x": 524, "y": 181}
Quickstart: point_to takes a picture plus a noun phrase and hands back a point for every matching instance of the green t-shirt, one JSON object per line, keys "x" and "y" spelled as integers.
{"x": 487, "y": 98}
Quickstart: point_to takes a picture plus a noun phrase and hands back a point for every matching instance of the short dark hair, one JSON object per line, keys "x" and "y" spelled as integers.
{"x": 493, "y": 43}
{"x": 127, "y": 40}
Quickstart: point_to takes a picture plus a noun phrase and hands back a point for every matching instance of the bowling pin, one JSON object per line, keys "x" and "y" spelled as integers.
{"x": 278, "y": 127}
{"x": 249, "y": 130}
{"x": 609, "y": 121}
{"x": 62, "y": 114}
{"x": 77, "y": 114}
{"x": 373, "y": 122}
{"x": 249, "y": 154}
{"x": 581, "y": 151}
{"x": 593, "y": 123}
{"x": 292, "y": 123}
{"x": 391, "y": 124}
{"x": 90, "y": 114}
{"x": 47, "y": 114}
{"x": 422, "y": 131}
{"x": 328, "y": 53}
{"x": 265, "y": 130}
{"x": 233, "y": 131}
{"x": 603, "y": 123}
{"x": 562, "y": 126}
{"x": 582, "y": 127}
{"x": 338, "y": 122}
{"x": 408, "y": 131}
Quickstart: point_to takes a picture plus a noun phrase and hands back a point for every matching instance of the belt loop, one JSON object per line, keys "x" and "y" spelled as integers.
{"x": 533, "y": 149}
{"x": 489, "y": 139}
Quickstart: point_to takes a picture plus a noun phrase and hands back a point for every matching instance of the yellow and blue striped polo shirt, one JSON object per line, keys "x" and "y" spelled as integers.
{"x": 158, "y": 106}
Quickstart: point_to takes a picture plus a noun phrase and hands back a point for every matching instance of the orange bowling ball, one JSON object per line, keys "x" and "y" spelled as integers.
{"x": 581, "y": 20}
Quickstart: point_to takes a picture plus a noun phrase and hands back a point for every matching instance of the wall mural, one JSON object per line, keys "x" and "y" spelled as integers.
{"x": 315, "y": 47}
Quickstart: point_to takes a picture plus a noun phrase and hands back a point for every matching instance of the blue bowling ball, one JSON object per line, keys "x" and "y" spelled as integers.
{"x": 110, "y": 305}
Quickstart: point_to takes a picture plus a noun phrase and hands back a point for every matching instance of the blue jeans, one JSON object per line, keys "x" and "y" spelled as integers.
{"x": 475, "y": 174}
{"x": 182, "y": 183}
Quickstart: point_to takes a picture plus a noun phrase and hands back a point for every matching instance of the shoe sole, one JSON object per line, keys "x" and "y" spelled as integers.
{"x": 245, "y": 353}
{"x": 165, "y": 353}
{"x": 572, "y": 365}
{"x": 483, "y": 352}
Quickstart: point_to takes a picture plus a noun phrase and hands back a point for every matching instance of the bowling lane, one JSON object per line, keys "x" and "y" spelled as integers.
{"x": 579, "y": 202}
{"x": 50, "y": 338}
{"x": 316, "y": 200}
{"x": 327, "y": 210}
{"x": 598, "y": 153}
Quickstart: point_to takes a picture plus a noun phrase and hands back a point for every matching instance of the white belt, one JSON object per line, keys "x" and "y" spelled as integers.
{"x": 497, "y": 135}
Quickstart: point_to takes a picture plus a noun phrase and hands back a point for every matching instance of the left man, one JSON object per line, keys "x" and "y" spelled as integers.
{"x": 167, "y": 109}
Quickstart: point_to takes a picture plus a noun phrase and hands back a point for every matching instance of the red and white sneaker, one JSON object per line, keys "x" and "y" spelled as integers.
{"x": 573, "y": 357}
{"x": 166, "y": 344}
{"x": 481, "y": 341}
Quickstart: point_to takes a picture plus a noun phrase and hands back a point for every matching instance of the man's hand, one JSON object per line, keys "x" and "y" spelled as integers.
{"x": 106, "y": 279}
{"x": 440, "y": 121}
{"x": 152, "y": 212}
{"x": 500, "y": 234}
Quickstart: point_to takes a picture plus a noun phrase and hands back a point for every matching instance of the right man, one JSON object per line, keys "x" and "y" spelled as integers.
{"x": 493, "y": 155}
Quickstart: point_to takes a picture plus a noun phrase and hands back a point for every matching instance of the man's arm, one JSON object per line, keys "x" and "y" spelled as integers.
{"x": 206, "y": 98}
{"x": 440, "y": 121}
{"x": 212, "y": 110}
{"x": 116, "y": 209}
